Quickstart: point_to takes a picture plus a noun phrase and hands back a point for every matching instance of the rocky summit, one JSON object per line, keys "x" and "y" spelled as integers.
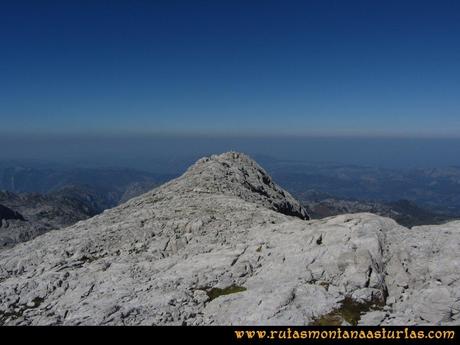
{"x": 223, "y": 244}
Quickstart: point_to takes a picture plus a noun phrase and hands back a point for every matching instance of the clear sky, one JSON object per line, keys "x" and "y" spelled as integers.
{"x": 231, "y": 67}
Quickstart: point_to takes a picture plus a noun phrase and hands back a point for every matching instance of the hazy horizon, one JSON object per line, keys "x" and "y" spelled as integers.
{"x": 291, "y": 68}
{"x": 150, "y": 152}
{"x": 115, "y": 83}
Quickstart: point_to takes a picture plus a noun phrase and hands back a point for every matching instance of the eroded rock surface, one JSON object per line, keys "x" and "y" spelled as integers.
{"x": 223, "y": 244}
{"x": 31, "y": 214}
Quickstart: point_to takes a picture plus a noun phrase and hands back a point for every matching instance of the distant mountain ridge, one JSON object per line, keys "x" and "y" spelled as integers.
{"x": 25, "y": 178}
{"x": 405, "y": 212}
{"x": 434, "y": 189}
{"x": 98, "y": 189}
{"x": 9, "y": 214}
{"x": 57, "y": 209}
{"x": 38, "y": 214}
{"x": 52, "y": 197}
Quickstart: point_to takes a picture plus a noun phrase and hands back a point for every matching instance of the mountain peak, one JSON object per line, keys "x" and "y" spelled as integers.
{"x": 234, "y": 173}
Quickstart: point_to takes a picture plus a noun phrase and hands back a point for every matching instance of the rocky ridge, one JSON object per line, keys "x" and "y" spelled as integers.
{"x": 38, "y": 214}
{"x": 223, "y": 244}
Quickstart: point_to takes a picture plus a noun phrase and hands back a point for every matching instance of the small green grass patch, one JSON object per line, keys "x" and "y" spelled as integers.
{"x": 217, "y": 292}
{"x": 349, "y": 311}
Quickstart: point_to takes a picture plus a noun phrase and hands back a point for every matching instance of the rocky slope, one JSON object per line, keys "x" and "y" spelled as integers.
{"x": 42, "y": 213}
{"x": 222, "y": 244}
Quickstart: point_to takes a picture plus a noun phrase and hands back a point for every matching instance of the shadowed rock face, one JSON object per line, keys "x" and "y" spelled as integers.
{"x": 219, "y": 245}
{"x": 8, "y": 214}
{"x": 36, "y": 214}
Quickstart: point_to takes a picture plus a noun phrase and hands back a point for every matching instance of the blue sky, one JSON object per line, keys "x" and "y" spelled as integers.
{"x": 388, "y": 68}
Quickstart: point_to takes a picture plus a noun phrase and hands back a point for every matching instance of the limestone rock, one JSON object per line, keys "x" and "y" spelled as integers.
{"x": 223, "y": 244}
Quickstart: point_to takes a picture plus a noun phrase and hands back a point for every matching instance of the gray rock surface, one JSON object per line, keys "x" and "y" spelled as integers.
{"x": 38, "y": 214}
{"x": 222, "y": 244}
{"x": 135, "y": 189}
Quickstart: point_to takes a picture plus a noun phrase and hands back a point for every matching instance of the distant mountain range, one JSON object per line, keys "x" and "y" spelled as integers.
{"x": 436, "y": 190}
{"x": 45, "y": 197}
{"x": 41, "y": 178}
{"x": 37, "y": 213}
{"x": 36, "y": 200}
{"x": 405, "y": 212}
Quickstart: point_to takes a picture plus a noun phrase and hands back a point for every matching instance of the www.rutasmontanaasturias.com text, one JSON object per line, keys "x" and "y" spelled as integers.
{"x": 339, "y": 333}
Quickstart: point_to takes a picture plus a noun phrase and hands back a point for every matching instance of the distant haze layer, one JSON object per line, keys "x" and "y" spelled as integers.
{"x": 174, "y": 153}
